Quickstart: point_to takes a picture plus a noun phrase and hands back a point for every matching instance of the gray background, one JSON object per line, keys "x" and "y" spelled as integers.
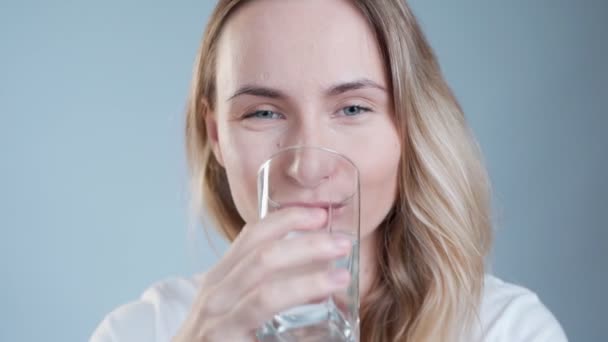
{"x": 93, "y": 196}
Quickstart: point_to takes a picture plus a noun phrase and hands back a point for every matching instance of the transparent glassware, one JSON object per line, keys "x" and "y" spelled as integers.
{"x": 316, "y": 177}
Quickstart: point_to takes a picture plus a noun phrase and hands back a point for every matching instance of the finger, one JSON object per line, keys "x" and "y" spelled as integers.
{"x": 272, "y": 227}
{"x": 273, "y": 297}
{"x": 305, "y": 253}
{"x": 278, "y": 224}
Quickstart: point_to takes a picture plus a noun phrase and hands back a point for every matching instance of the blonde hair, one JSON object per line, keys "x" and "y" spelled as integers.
{"x": 434, "y": 240}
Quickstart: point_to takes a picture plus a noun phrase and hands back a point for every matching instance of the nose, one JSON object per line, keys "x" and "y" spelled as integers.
{"x": 310, "y": 166}
{"x": 307, "y": 129}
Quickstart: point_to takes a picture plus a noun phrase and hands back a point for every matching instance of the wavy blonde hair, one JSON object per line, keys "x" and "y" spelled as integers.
{"x": 434, "y": 240}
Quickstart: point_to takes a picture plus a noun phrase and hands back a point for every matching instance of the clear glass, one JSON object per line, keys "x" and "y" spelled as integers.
{"x": 316, "y": 177}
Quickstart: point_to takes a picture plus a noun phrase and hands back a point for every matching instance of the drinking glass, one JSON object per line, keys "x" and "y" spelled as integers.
{"x": 310, "y": 176}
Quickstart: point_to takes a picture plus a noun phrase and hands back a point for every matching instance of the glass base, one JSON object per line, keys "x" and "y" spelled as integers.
{"x": 321, "y": 322}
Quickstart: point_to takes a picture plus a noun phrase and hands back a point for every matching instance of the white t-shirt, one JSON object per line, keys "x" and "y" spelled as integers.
{"x": 508, "y": 313}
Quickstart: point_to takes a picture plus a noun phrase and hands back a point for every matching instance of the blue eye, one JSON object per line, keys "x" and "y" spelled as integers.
{"x": 354, "y": 110}
{"x": 263, "y": 114}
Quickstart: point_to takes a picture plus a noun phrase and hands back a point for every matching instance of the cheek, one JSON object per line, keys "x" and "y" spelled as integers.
{"x": 242, "y": 160}
{"x": 379, "y": 174}
{"x": 243, "y": 190}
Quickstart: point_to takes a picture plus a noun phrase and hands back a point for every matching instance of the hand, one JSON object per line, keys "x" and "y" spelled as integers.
{"x": 252, "y": 282}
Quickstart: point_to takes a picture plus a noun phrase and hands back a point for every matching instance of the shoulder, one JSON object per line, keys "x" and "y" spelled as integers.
{"x": 513, "y": 313}
{"x": 155, "y": 316}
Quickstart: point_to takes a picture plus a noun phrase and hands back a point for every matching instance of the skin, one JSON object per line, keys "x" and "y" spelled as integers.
{"x": 290, "y": 73}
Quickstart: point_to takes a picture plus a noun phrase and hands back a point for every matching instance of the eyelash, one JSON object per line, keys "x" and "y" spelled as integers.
{"x": 254, "y": 113}
{"x": 361, "y": 109}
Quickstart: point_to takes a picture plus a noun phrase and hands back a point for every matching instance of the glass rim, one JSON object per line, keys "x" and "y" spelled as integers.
{"x": 340, "y": 203}
{"x": 309, "y": 147}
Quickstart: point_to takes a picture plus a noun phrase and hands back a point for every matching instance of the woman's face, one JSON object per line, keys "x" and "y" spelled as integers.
{"x": 304, "y": 73}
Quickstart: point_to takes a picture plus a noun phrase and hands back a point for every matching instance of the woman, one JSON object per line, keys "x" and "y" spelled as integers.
{"x": 359, "y": 77}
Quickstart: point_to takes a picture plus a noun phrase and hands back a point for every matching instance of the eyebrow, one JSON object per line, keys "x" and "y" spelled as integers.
{"x": 334, "y": 90}
{"x": 259, "y": 91}
{"x": 342, "y": 88}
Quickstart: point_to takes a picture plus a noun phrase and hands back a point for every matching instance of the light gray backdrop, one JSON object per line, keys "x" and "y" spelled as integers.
{"x": 92, "y": 172}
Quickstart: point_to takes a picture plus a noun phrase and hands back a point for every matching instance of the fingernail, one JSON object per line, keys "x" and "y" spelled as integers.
{"x": 339, "y": 277}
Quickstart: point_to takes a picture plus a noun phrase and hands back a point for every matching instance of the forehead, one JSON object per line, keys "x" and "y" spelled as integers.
{"x": 297, "y": 45}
